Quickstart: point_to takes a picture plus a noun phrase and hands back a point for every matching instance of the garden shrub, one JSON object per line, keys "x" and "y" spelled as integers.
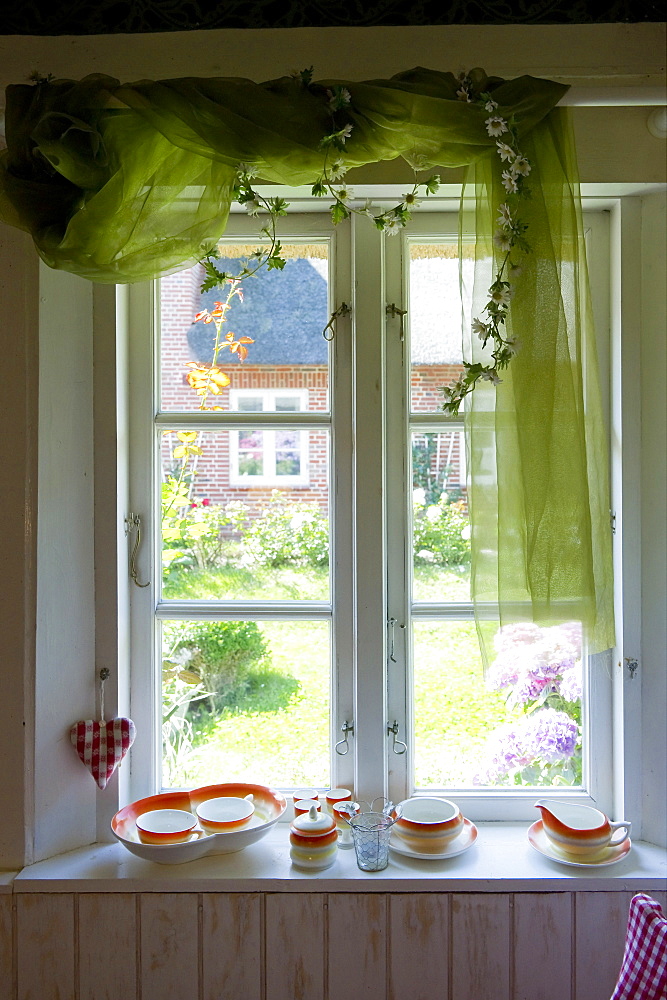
{"x": 441, "y": 532}
{"x": 221, "y": 654}
{"x": 288, "y": 532}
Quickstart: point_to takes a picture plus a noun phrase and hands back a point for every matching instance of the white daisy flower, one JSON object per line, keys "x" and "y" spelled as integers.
{"x": 521, "y": 166}
{"x": 248, "y": 169}
{"x": 495, "y": 125}
{"x": 345, "y": 133}
{"x": 344, "y": 194}
{"x": 501, "y": 295}
{"x": 490, "y": 106}
{"x": 504, "y": 215}
{"x": 337, "y": 170}
{"x": 509, "y": 182}
{"x": 392, "y": 226}
{"x": 513, "y": 345}
{"x": 504, "y": 151}
{"x": 480, "y": 329}
{"x": 411, "y": 200}
{"x": 252, "y": 207}
{"x": 492, "y": 376}
{"x": 502, "y": 240}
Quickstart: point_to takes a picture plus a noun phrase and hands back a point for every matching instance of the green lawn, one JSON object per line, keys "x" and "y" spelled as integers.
{"x": 278, "y": 732}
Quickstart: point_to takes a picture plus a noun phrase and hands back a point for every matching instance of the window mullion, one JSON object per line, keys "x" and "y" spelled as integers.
{"x": 368, "y": 515}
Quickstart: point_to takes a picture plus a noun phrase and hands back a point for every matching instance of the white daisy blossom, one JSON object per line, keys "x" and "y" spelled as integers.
{"x": 504, "y": 213}
{"x": 513, "y": 345}
{"x": 368, "y": 208}
{"x": 252, "y": 207}
{"x": 509, "y": 182}
{"x": 503, "y": 241}
{"x": 495, "y": 125}
{"x": 345, "y": 133}
{"x": 501, "y": 296}
{"x": 492, "y": 376}
{"x": 392, "y": 226}
{"x": 521, "y": 166}
{"x": 490, "y": 106}
{"x": 480, "y": 329}
{"x": 248, "y": 169}
{"x": 337, "y": 170}
{"x": 505, "y": 152}
{"x": 344, "y": 193}
{"x": 411, "y": 199}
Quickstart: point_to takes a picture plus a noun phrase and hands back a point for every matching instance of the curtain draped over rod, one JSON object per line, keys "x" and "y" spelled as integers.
{"x": 123, "y": 183}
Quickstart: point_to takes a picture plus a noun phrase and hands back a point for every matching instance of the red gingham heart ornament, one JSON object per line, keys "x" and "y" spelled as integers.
{"x": 102, "y": 745}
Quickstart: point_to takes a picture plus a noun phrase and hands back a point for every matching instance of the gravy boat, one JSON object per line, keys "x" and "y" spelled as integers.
{"x": 579, "y": 830}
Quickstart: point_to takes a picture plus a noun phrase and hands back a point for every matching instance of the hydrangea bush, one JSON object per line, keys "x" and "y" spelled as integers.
{"x": 540, "y": 671}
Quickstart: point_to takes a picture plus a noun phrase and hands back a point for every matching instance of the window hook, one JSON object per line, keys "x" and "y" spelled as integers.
{"x": 133, "y": 523}
{"x": 393, "y": 310}
{"x": 396, "y": 742}
{"x": 329, "y": 331}
{"x": 347, "y": 727}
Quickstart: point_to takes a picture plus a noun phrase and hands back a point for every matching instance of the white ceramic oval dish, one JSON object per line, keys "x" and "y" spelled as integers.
{"x": 269, "y": 805}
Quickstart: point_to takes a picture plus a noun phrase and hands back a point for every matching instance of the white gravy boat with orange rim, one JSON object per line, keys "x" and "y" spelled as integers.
{"x": 579, "y": 830}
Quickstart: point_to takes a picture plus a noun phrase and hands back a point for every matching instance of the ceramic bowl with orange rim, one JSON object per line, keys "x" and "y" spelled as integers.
{"x": 225, "y": 813}
{"x": 166, "y": 826}
{"x": 269, "y": 806}
{"x": 428, "y": 825}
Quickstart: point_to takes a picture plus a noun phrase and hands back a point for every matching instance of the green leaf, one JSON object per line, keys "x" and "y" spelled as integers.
{"x": 318, "y": 189}
{"x": 339, "y": 212}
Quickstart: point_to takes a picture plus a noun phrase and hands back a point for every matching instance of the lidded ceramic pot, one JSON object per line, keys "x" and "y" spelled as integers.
{"x": 313, "y": 840}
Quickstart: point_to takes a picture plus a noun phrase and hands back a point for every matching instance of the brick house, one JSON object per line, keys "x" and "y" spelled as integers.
{"x": 284, "y": 313}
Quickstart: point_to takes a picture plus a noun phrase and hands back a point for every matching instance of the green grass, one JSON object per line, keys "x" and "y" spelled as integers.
{"x": 278, "y": 731}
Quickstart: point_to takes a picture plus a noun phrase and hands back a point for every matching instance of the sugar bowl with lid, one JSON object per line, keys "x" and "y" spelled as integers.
{"x": 313, "y": 840}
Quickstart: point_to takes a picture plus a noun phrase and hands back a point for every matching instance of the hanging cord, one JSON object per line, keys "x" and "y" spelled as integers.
{"x": 133, "y": 523}
{"x": 329, "y": 331}
{"x": 104, "y": 675}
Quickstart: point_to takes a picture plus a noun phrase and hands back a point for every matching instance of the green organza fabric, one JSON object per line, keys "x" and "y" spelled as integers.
{"x": 123, "y": 183}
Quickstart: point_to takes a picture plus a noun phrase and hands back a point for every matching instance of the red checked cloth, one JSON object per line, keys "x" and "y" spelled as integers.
{"x": 102, "y": 745}
{"x": 643, "y": 974}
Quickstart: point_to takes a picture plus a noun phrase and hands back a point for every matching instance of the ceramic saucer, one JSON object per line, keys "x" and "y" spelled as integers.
{"x": 458, "y": 845}
{"x": 609, "y": 856}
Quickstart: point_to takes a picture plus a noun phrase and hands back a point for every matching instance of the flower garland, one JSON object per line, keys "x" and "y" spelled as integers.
{"x": 508, "y": 238}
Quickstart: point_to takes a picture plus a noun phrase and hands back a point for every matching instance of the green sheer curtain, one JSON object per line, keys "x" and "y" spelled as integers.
{"x": 122, "y": 183}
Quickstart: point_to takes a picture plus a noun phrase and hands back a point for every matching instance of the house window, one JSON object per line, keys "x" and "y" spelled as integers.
{"x": 269, "y": 457}
{"x": 312, "y": 624}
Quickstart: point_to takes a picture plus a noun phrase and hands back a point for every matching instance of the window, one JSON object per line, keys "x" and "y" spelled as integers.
{"x": 312, "y": 623}
{"x": 268, "y": 457}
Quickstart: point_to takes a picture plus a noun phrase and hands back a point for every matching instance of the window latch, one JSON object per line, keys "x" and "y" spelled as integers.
{"x": 343, "y": 746}
{"x": 393, "y": 310}
{"x": 398, "y": 746}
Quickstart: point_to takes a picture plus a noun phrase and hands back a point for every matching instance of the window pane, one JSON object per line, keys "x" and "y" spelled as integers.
{"x": 521, "y": 726}
{"x": 245, "y": 701}
{"x": 440, "y": 523}
{"x": 435, "y": 322}
{"x": 242, "y": 519}
{"x": 278, "y": 321}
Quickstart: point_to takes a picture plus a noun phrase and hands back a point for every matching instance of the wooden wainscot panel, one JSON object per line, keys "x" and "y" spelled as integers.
{"x": 45, "y": 929}
{"x": 169, "y": 937}
{"x": 6, "y": 976}
{"x": 418, "y": 946}
{"x": 107, "y": 945}
{"x": 295, "y": 946}
{"x": 232, "y": 946}
{"x": 542, "y": 946}
{"x": 357, "y": 948}
{"x": 480, "y": 937}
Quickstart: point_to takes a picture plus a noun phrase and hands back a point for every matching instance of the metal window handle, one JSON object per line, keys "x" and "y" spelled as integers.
{"x": 329, "y": 331}
{"x": 347, "y": 727}
{"x": 392, "y": 625}
{"x": 396, "y": 743}
{"x": 133, "y": 523}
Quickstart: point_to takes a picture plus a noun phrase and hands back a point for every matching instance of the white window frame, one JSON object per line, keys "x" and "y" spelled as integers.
{"x": 364, "y": 691}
